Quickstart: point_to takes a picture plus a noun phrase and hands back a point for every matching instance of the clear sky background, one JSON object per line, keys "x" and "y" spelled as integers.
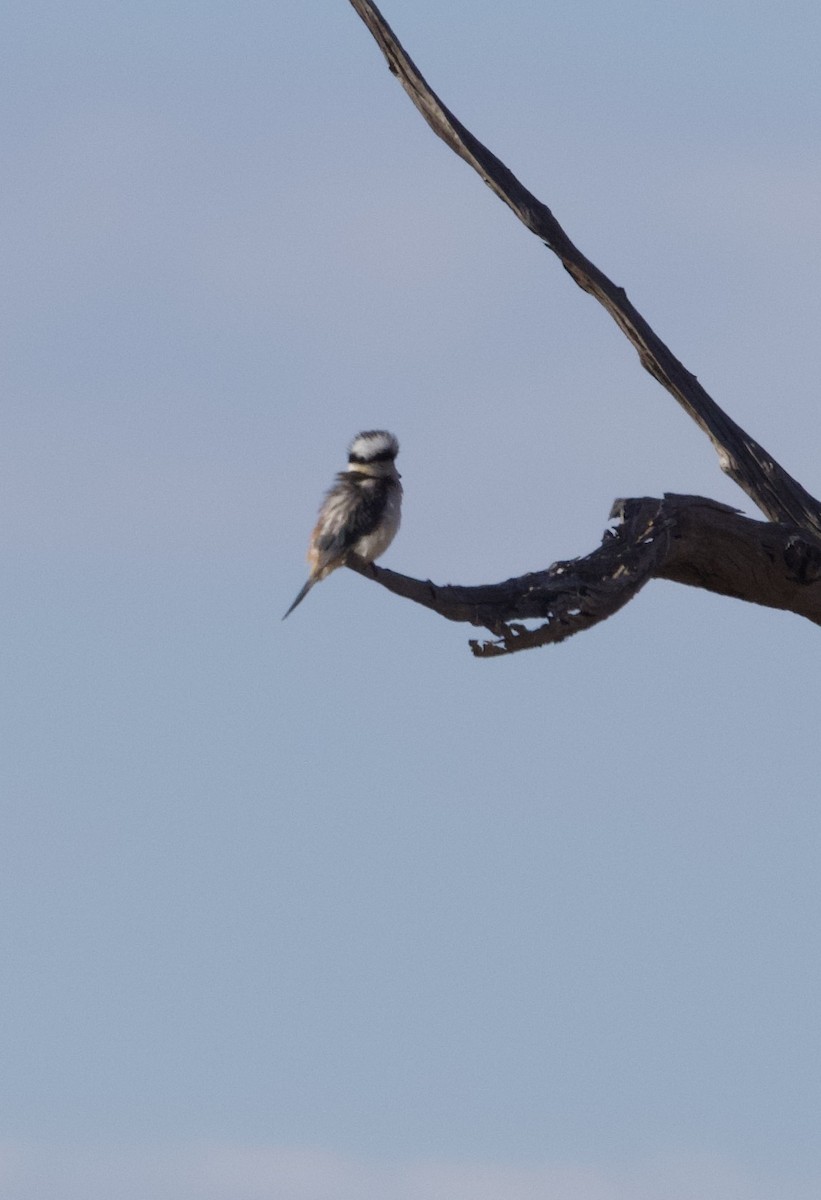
{"x": 329, "y": 910}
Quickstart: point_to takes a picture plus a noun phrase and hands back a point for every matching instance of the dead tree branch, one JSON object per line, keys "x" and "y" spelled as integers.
{"x": 769, "y": 486}
{"x": 686, "y": 539}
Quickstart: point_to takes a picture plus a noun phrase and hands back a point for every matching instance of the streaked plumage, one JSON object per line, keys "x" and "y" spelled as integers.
{"x": 361, "y": 512}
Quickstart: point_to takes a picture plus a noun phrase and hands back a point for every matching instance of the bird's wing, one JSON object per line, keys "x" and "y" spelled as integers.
{"x": 352, "y": 509}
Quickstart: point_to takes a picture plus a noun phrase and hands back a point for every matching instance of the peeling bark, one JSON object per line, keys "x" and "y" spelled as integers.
{"x": 686, "y": 539}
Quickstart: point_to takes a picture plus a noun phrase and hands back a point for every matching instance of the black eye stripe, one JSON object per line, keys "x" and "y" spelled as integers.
{"x": 383, "y": 456}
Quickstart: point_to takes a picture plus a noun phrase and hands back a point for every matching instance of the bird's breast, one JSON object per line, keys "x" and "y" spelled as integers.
{"x": 372, "y": 545}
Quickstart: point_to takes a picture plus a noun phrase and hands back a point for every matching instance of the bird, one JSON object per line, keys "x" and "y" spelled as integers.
{"x": 361, "y": 511}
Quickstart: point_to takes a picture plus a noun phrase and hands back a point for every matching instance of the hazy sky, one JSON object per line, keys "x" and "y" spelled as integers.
{"x": 329, "y": 910}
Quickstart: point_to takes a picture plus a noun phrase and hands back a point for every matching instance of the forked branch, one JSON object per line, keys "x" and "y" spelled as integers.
{"x": 769, "y": 486}
{"x": 686, "y": 539}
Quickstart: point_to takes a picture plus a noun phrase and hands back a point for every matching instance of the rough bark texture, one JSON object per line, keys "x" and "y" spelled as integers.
{"x": 687, "y": 539}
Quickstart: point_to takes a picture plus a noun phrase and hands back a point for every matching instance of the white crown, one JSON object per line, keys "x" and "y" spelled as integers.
{"x": 373, "y": 444}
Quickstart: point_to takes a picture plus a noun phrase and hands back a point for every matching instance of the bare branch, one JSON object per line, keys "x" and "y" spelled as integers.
{"x": 686, "y": 539}
{"x": 769, "y": 486}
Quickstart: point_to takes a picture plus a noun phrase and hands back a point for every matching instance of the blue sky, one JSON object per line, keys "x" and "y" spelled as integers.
{"x": 329, "y": 909}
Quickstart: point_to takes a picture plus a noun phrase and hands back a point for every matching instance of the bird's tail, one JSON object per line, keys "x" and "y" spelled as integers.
{"x": 301, "y": 596}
